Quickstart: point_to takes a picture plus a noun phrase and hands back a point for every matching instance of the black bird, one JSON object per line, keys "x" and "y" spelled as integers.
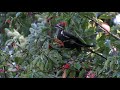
{"x": 69, "y": 40}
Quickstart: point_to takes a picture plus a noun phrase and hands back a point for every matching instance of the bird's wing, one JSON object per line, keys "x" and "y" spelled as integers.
{"x": 66, "y": 34}
{"x": 75, "y": 39}
{"x": 70, "y": 36}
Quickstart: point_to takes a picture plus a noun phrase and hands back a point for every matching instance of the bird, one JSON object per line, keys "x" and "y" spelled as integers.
{"x": 68, "y": 39}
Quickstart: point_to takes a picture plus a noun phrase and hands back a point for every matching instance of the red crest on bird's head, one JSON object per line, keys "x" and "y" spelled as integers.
{"x": 63, "y": 24}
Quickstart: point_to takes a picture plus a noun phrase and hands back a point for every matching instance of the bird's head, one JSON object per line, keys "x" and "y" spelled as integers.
{"x": 61, "y": 25}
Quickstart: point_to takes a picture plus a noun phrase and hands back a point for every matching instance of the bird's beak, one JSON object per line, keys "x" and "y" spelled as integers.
{"x": 56, "y": 26}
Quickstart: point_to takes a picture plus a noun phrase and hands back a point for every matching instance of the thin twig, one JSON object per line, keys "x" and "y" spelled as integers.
{"x": 4, "y": 72}
{"x": 97, "y": 54}
{"x": 17, "y": 75}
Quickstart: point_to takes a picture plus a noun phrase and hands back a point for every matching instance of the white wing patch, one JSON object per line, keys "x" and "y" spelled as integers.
{"x": 62, "y": 33}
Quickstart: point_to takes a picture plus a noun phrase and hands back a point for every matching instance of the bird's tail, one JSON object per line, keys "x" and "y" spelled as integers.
{"x": 85, "y": 45}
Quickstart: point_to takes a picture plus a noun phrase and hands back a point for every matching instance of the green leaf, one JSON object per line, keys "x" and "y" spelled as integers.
{"x": 30, "y": 67}
{"x": 84, "y": 25}
{"x": 18, "y": 60}
{"x": 55, "y": 56}
{"x": 43, "y": 57}
{"x": 106, "y": 65}
{"x": 81, "y": 74}
{"x": 58, "y": 72}
{"x": 105, "y": 16}
{"x": 101, "y": 41}
{"x": 112, "y": 64}
{"x": 49, "y": 65}
{"x": 118, "y": 31}
{"x": 86, "y": 65}
{"x": 72, "y": 74}
{"x": 46, "y": 44}
{"x": 114, "y": 74}
{"x": 99, "y": 35}
{"x": 100, "y": 71}
{"x": 117, "y": 42}
{"x": 42, "y": 65}
{"x": 77, "y": 65}
{"x": 118, "y": 75}
{"x": 37, "y": 62}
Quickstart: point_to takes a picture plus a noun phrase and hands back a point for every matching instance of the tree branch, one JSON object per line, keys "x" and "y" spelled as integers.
{"x": 97, "y": 54}
{"x": 103, "y": 28}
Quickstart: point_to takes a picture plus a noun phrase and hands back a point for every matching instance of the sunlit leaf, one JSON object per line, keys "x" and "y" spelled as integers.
{"x": 99, "y": 35}
{"x": 105, "y": 16}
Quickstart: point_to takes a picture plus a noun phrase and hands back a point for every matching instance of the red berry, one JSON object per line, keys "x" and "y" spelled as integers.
{"x": 49, "y": 46}
{"x": 66, "y": 66}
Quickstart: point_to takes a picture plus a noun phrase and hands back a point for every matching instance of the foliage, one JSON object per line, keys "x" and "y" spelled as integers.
{"x": 28, "y": 48}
